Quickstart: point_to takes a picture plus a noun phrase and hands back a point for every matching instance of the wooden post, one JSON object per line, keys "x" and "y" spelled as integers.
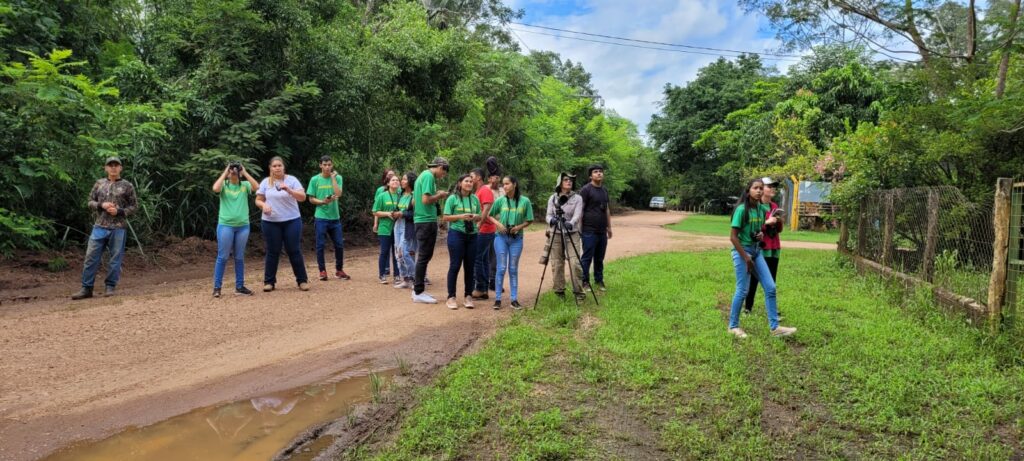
{"x": 932, "y": 236}
{"x": 1001, "y": 225}
{"x": 844, "y": 237}
{"x": 862, "y": 227}
{"x": 887, "y": 229}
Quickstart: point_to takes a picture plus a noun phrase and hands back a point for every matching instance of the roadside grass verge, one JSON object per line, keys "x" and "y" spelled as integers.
{"x": 719, "y": 225}
{"x": 652, "y": 374}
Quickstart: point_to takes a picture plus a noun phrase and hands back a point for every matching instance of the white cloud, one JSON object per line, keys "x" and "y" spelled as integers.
{"x": 631, "y": 79}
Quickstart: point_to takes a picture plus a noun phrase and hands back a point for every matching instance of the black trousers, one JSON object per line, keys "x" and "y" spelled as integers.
{"x": 426, "y": 238}
{"x": 773, "y": 267}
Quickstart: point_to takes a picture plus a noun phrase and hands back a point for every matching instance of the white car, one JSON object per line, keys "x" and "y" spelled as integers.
{"x": 658, "y": 203}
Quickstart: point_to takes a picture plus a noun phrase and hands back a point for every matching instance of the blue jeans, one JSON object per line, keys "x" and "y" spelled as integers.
{"x": 764, "y": 277}
{"x": 482, "y": 270}
{"x": 387, "y": 251}
{"x": 230, "y": 240}
{"x": 461, "y": 253}
{"x": 594, "y": 246}
{"x": 507, "y": 251}
{"x": 288, "y": 234}
{"x": 100, "y": 239}
{"x": 329, "y": 228}
{"x": 405, "y": 240}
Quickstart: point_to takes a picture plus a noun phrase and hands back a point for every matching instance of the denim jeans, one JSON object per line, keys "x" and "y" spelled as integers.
{"x": 288, "y": 234}
{"x": 507, "y": 251}
{"x": 329, "y": 228}
{"x": 231, "y": 240}
{"x": 100, "y": 239}
{"x": 387, "y": 254}
{"x": 773, "y": 267}
{"x": 764, "y": 277}
{"x": 483, "y": 272}
{"x": 406, "y": 264}
{"x": 594, "y": 246}
{"x": 426, "y": 238}
{"x": 461, "y": 253}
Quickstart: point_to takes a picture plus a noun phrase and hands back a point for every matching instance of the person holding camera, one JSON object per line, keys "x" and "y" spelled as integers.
{"x": 385, "y": 209}
{"x": 278, "y": 196}
{"x": 747, "y": 222}
{"x": 565, "y": 211}
{"x": 596, "y": 226}
{"x": 511, "y": 214}
{"x": 405, "y": 233}
{"x": 113, "y": 200}
{"x": 771, "y": 245}
{"x": 232, "y": 224}
{"x": 462, "y": 210}
{"x": 426, "y": 198}
{"x": 324, "y": 191}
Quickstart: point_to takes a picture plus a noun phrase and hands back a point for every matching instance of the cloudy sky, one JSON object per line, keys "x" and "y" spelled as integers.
{"x": 631, "y": 79}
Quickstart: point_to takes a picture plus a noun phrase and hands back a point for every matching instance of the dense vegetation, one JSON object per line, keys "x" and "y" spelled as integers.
{"x": 178, "y": 88}
{"x": 865, "y": 112}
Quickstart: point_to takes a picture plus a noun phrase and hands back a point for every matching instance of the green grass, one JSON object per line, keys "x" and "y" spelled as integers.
{"x": 651, "y": 373}
{"x": 719, "y": 225}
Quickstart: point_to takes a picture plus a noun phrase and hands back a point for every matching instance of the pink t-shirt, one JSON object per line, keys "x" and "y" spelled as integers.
{"x": 486, "y": 197}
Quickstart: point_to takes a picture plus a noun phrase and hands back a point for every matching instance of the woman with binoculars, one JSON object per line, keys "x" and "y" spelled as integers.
{"x": 511, "y": 214}
{"x": 232, "y": 224}
{"x": 462, "y": 210}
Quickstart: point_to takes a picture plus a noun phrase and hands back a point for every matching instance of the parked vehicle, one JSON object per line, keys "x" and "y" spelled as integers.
{"x": 658, "y": 203}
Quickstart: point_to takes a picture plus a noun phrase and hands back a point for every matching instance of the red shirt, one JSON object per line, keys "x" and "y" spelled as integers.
{"x": 773, "y": 242}
{"x": 486, "y": 197}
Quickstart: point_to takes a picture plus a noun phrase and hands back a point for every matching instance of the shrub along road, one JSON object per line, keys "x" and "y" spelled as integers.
{"x": 86, "y": 369}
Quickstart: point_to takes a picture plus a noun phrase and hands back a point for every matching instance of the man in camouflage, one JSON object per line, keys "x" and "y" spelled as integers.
{"x": 113, "y": 199}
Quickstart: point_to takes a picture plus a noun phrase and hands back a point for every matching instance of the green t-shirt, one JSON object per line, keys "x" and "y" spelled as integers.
{"x": 319, "y": 188}
{"x": 425, "y": 185}
{"x": 512, "y": 212}
{"x": 405, "y": 201}
{"x": 462, "y": 205}
{"x": 379, "y": 191}
{"x": 755, "y": 220}
{"x": 234, "y": 204}
{"x": 385, "y": 201}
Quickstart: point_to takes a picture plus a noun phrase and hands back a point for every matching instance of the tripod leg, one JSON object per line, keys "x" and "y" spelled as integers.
{"x": 547, "y": 259}
{"x": 568, "y": 261}
{"x": 577, "y": 252}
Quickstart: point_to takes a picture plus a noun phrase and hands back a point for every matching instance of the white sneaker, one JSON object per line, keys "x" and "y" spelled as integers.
{"x": 452, "y": 303}
{"x": 469, "y": 303}
{"x": 738, "y": 332}
{"x": 783, "y": 331}
{"x": 402, "y": 284}
{"x": 423, "y": 298}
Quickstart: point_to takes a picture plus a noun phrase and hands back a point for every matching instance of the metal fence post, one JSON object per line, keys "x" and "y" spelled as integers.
{"x": 1001, "y": 225}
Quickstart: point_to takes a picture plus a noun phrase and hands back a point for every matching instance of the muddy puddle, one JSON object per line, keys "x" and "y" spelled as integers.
{"x": 251, "y": 429}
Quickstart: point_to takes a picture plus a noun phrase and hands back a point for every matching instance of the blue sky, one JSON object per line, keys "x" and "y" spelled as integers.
{"x": 631, "y": 80}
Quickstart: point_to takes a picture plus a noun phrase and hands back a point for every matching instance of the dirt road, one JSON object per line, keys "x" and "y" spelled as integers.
{"x": 82, "y": 370}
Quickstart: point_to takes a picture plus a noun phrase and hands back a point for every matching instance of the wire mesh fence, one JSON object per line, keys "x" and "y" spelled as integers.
{"x": 1015, "y": 255}
{"x": 933, "y": 233}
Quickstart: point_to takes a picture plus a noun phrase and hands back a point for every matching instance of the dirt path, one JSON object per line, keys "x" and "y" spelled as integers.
{"x": 82, "y": 370}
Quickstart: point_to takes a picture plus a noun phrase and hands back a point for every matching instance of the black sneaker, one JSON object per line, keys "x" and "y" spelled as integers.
{"x": 243, "y": 291}
{"x": 516, "y": 305}
{"x": 216, "y": 292}
{"x": 84, "y": 293}
{"x": 497, "y": 304}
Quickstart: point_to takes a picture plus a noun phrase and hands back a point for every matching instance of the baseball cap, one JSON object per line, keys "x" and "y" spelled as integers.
{"x": 438, "y": 161}
{"x": 768, "y": 181}
{"x": 113, "y": 160}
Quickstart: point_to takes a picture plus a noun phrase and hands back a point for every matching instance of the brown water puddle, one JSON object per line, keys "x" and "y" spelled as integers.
{"x": 252, "y": 429}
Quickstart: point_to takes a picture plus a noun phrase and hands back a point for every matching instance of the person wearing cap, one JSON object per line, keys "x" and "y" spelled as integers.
{"x": 772, "y": 244}
{"x": 113, "y": 200}
{"x": 572, "y": 214}
{"x": 596, "y": 227}
{"x": 426, "y": 198}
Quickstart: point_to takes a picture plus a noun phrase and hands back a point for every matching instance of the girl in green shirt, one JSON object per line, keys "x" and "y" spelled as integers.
{"x": 511, "y": 214}
{"x": 232, "y": 224}
{"x": 385, "y": 210}
{"x": 462, "y": 210}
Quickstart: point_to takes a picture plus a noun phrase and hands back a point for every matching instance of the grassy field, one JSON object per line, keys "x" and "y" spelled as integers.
{"x": 652, "y": 374}
{"x": 719, "y": 225}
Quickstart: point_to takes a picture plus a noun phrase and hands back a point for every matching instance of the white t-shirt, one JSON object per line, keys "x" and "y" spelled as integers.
{"x": 283, "y": 207}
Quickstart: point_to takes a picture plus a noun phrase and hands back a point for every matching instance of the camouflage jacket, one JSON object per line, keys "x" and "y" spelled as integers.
{"x": 121, "y": 193}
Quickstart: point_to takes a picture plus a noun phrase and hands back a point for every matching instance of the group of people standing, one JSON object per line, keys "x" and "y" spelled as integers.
{"x": 486, "y": 215}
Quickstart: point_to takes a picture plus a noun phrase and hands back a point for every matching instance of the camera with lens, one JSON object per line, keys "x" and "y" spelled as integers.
{"x": 562, "y": 200}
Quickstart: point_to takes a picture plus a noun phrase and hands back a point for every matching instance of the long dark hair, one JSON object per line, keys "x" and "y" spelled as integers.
{"x": 516, "y": 193}
{"x": 748, "y": 203}
{"x": 384, "y": 177}
{"x": 410, "y": 180}
{"x": 458, "y": 187}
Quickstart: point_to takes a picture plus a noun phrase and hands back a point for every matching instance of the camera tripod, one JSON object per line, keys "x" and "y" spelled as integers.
{"x": 560, "y": 231}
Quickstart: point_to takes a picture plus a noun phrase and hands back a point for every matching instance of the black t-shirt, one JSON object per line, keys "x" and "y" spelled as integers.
{"x": 595, "y": 208}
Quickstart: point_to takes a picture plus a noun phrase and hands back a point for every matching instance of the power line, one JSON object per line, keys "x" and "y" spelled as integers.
{"x": 693, "y": 47}
{"x": 641, "y": 46}
{"x": 521, "y": 39}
